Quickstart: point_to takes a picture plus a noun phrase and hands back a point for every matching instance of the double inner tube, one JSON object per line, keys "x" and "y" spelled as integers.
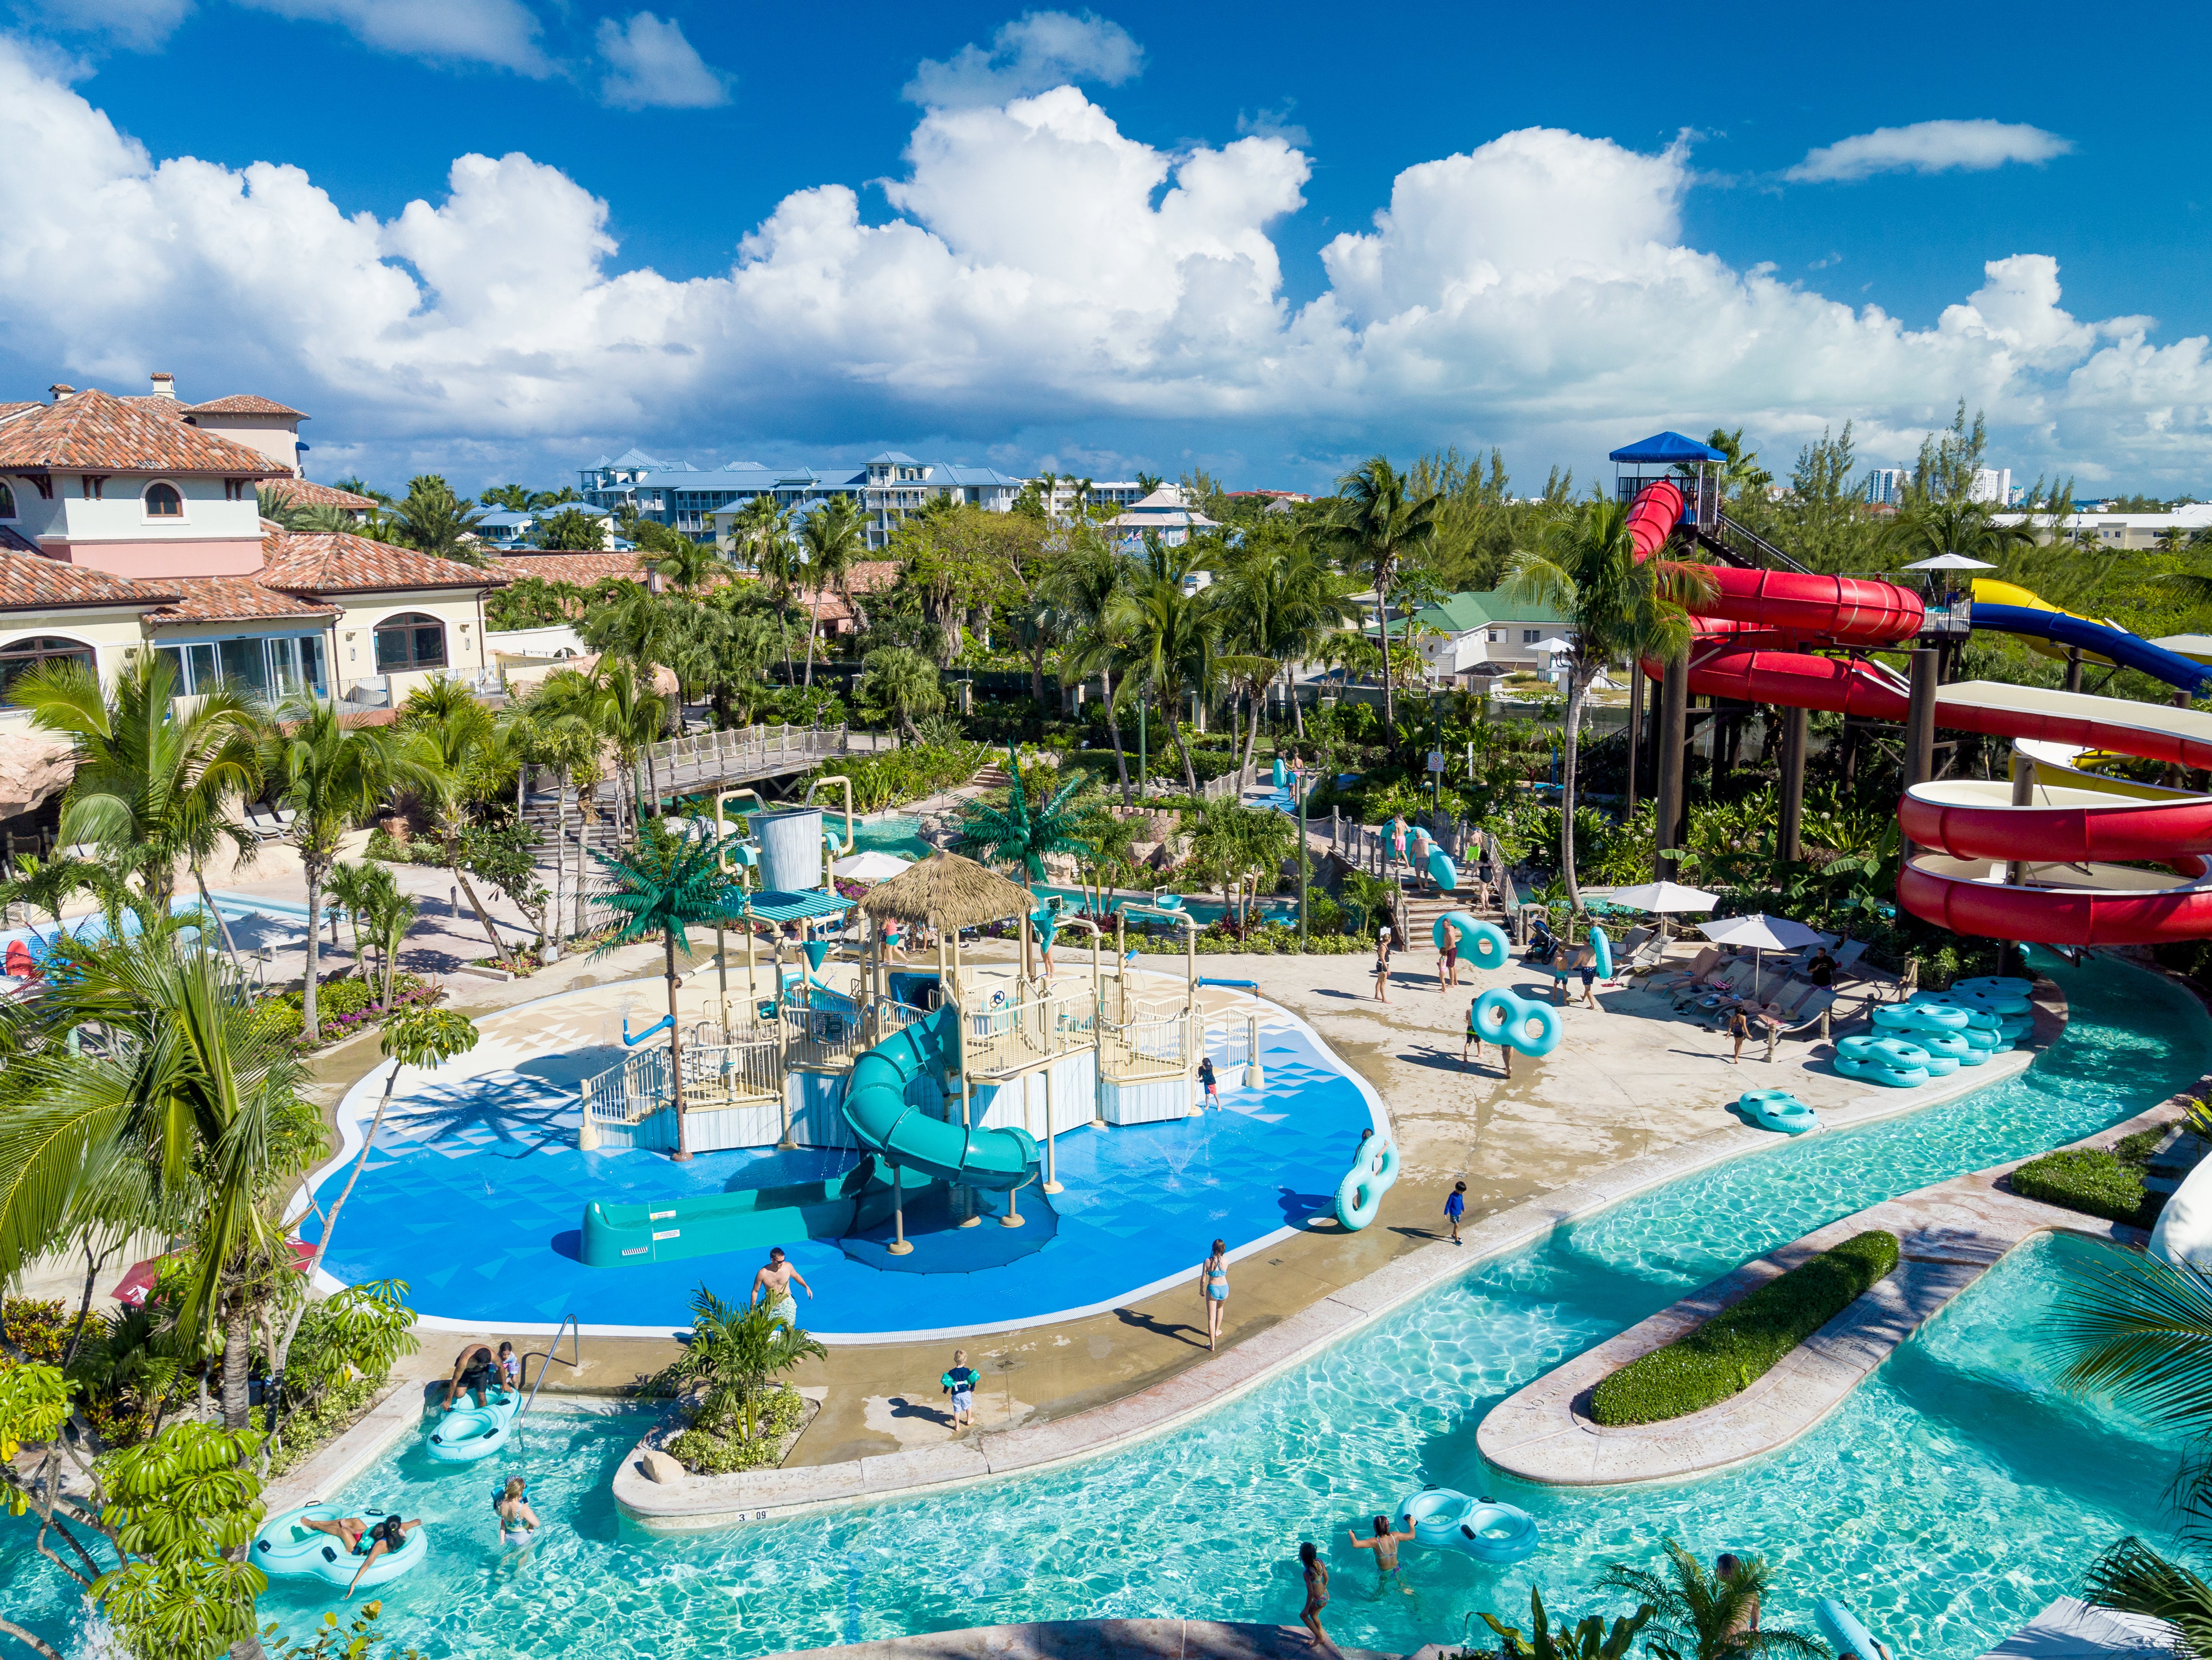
{"x": 1502, "y": 1017}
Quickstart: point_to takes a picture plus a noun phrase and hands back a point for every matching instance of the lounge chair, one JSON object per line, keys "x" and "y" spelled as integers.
{"x": 1783, "y": 1000}
{"x": 1675, "y": 978}
{"x": 1732, "y": 980}
{"x": 261, "y": 823}
{"x": 1804, "y": 1019}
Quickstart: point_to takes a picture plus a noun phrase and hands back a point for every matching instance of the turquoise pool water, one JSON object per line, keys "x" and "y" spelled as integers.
{"x": 1952, "y": 1496}
{"x": 899, "y": 836}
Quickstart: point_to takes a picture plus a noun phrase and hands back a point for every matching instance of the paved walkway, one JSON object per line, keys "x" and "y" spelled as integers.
{"x": 1950, "y": 1235}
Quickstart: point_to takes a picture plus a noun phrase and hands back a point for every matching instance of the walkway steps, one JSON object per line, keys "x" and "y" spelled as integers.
{"x": 1950, "y": 1235}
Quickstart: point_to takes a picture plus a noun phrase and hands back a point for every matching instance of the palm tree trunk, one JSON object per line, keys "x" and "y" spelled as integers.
{"x": 1114, "y": 730}
{"x": 308, "y": 1028}
{"x": 560, "y": 855}
{"x": 675, "y": 1055}
{"x": 1182, "y": 748}
{"x": 1389, "y": 701}
{"x": 1577, "y": 687}
{"x": 1297, "y": 708}
{"x": 237, "y": 1367}
{"x": 1252, "y": 735}
{"x": 484, "y": 917}
{"x": 221, "y": 925}
{"x": 813, "y": 621}
{"x": 331, "y": 1224}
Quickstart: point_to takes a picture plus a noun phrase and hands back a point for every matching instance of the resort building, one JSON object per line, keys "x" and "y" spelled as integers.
{"x": 130, "y": 522}
{"x": 1163, "y": 513}
{"x": 2123, "y": 532}
{"x": 1473, "y": 635}
{"x": 702, "y": 505}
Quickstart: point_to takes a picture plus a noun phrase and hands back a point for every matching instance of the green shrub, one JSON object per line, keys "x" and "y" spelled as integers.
{"x": 2091, "y": 1181}
{"x": 1725, "y": 1355}
{"x": 2137, "y": 1149}
{"x": 40, "y": 1329}
{"x": 720, "y": 1447}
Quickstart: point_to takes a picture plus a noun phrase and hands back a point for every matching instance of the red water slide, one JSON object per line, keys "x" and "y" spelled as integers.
{"x": 1753, "y": 635}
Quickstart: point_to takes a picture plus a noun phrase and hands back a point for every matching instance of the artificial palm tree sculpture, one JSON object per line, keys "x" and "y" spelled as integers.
{"x": 1018, "y": 834}
{"x": 1618, "y": 605}
{"x": 665, "y": 884}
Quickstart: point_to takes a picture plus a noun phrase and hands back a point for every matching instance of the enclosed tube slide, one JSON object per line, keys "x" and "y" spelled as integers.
{"x": 2048, "y": 871}
{"x": 909, "y": 1138}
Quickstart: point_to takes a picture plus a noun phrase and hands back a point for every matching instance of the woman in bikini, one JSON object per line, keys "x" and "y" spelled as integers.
{"x": 1213, "y": 1291}
{"x": 517, "y": 1521}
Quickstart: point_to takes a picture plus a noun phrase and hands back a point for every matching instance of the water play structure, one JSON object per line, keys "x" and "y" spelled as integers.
{"x": 2021, "y": 860}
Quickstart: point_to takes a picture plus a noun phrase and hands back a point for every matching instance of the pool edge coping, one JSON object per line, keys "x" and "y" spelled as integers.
{"x": 1175, "y": 1401}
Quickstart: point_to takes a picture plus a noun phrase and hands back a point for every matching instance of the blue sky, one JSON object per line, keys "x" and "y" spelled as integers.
{"x": 1174, "y": 262}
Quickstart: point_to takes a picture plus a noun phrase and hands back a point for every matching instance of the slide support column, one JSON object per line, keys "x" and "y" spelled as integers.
{"x": 2074, "y": 668}
{"x": 1920, "y": 718}
{"x": 1673, "y": 727}
{"x": 1790, "y": 837}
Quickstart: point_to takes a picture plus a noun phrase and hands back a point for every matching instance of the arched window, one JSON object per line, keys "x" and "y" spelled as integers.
{"x": 163, "y": 501}
{"x": 22, "y": 656}
{"x": 7, "y": 502}
{"x": 410, "y": 640}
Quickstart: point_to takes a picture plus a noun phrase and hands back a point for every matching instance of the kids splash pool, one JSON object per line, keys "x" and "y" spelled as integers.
{"x": 1953, "y": 1496}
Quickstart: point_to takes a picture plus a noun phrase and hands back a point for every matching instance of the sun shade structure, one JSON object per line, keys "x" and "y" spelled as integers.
{"x": 1762, "y": 933}
{"x": 873, "y": 865}
{"x": 1951, "y": 562}
{"x": 946, "y": 891}
{"x": 1667, "y": 446}
{"x": 1659, "y": 897}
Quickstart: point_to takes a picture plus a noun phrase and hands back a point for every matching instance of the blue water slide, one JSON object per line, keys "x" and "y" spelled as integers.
{"x": 2129, "y": 650}
{"x": 904, "y": 1135}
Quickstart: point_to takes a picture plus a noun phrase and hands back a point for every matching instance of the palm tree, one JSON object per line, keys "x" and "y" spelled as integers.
{"x": 514, "y": 498}
{"x": 734, "y": 1351}
{"x": 1931, "y": 528}
{"x": 1171, "y": 636}
{"x": 1708, "y": 1616}
{"x": 834, "y": 536}
{"x": 330, "y": 774}
{"x": 156, "y": 784}
{"x": 664, "y": 885}
{"x": 433, "y": 520}
{"x": 184, "y": 1113}
{"x": 761, "y": 522}
{"x": 1088, "y": 591}
{"x": 1018, "y": 834}
{"x": 904, "y": 682}
{"x": 1586, "y": 568}
{"x": 1379, "y": 523}
{"x": 451, "y": 752}
{"x": 690, "y": 566}
{"x": 352, "y": 888}
{"x": 1281, "y": 603}
{"x": 49, "y": 885}
{"x": 390, "y": 914}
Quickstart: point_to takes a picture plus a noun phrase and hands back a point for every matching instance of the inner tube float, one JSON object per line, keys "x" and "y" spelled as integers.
{"x": 1601, "y": 949}
{"x": 1844, "y": 1632}
{"x": 1502, "y": 1017}
{"x": 1995, "y": 985}
{"x": 1920, "y": 1017}
{"x": 468, "y": 1433}
{"x": 284, "y": 1549}
{"x": 1777, "y": 1110}
{"x": 1441, "y": 871}
{"x": 1484, "y": 943}
{"x": 1480, "y": 1528}
{"x": 1889, "y": 1061}
{"x": 1953, "y": 1044}
{"x": 1359, "y": 1195}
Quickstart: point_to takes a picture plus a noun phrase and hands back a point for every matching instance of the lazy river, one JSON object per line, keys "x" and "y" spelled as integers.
{"x": 1952, "y": 1496}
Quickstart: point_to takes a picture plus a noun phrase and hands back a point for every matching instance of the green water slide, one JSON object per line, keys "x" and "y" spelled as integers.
{"x": 907, "y": 1136}
{"x": 750, "y": 1219}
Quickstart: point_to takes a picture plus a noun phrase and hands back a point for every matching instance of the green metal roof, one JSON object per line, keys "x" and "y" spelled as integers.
{"x": 1463, "y": 613}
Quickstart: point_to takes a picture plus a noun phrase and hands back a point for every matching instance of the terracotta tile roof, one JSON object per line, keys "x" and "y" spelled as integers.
{"x": 34, "y": 583}
{"x": 8, "y": 408}
{"x": 306, "y": 493}
{"x": 232, "y": 600}
{"x": 332, "y": 561}
{"x": 243, "y": 402}
{"x": 96, "y": 432}
{"x": 581, "y": 569}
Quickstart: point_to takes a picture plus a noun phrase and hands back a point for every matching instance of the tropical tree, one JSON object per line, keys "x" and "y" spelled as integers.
{"x": 1618, "y": 605}
{"x": 329, "y": 773}
{"x": 1170, "y": 640}
{"x": 665, "y": 884}
{"x": 691, "y": 565}
{"x": 156, "y": 783}
{"x": 1280, "y": 605}
{"x": 433, "y": 520}
{"x": 904, "y": 682}
{"x": 49, "y": 885}
{"x": 1377, "y": 523}
{"x": 352, "y": 889}
{"x": 453, "y": 755}
{"x": 1089, "y": 590}
{"x": 1709, "y": 1616}
{"x": 390, "y": 915}
{"x": 184, "y": 1112}
{"x": 835, "y": 535}
{"x": 731, "y": 1352}
{"x": 571, "y": 530}
{"x": 514, "y": 498}
{"x": 1934, "y": 525}
{"x": 1019, "y": 834}
{"x": 1234, "y": 844}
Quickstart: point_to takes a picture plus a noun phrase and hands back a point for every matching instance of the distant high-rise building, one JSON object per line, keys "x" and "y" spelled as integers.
{"x": 1886, "y": 485}
{"x": 1991, "y": 485}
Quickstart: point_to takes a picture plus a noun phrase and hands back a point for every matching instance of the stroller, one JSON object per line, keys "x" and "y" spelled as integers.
{"x": 1541, "y": 944}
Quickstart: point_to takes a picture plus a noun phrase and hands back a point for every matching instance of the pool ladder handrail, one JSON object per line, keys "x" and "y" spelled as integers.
{"x": 568, "y": 1327}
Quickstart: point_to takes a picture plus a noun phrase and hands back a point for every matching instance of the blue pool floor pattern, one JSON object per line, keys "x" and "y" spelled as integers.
{"x": 474, "y": 1194}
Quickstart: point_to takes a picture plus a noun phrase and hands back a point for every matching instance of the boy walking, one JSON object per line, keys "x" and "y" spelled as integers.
{"x": 1205, "y": 1077}
{"x": 1456, "y": 1208}
{"x": 960, "y": 1384}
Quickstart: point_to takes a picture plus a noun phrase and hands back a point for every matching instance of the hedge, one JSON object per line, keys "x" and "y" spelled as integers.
{"x": 2091, "y": 1181}
{"x": 1722, "y": 1357}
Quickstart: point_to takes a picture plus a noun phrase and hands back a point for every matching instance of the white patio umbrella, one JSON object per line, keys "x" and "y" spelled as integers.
{"x": 874, "y": 866}
{"x": 1762, "y": 933}
{"x": 1662, "y": 899}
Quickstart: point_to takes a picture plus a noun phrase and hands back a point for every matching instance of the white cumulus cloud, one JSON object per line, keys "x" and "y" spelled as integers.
{"x": 140, "y": 24}
{"x": 1041, "y": 272}
{"x": 1929, "y": 147}
{"x": 502, "y": 34}
{"x": 1036, "y": 52}
{"x": 650, "y": 66}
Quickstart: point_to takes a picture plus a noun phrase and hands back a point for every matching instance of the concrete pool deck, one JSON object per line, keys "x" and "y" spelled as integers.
{"x": 1581, "y": 1127}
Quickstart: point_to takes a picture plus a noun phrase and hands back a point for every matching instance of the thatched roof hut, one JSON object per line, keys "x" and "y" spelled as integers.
{"x": 947, "y": 891}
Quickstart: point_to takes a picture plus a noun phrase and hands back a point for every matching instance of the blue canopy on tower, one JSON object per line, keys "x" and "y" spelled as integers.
{"x": 1668, "y": 447}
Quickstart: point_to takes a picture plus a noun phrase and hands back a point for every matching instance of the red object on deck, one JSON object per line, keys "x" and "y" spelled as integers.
{"x": 135, "y": 1286}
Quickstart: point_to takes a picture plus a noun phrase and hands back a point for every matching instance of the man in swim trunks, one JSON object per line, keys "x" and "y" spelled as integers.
{"x": 1474, "y": 1039}
{"x": 474, "y": 1372}
{"x": 772, "y": 1285}
{"x": 1385, "y": 1545}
